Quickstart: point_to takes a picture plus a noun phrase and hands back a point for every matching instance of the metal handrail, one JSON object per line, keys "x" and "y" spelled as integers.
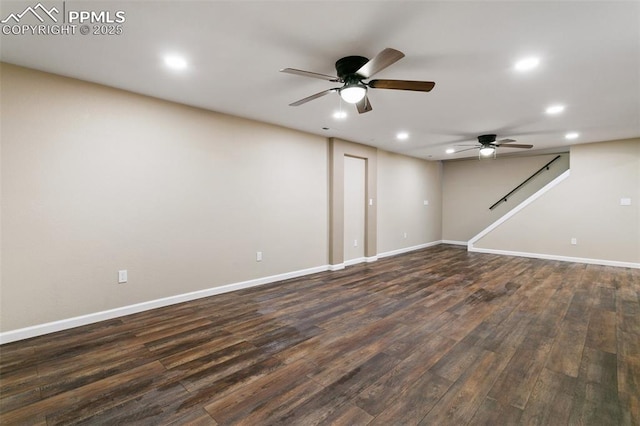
{"x": 504, "y": 198}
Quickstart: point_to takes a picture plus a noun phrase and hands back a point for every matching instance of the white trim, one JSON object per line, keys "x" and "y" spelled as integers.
{"x": 55, "y": 326}
{"x": 517, "y": 208}
{"x": 65, "y": 324}
{"x": 408, "y": 249}
{"x": 559, "y": 258}
{"x": 358, "y": 260}
{"x": 456, "y": 243}
{"x": 355, "y": 261}
{"x": 336, "y": 267}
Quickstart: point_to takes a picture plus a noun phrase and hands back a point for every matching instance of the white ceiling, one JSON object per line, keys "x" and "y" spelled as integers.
{"x": 589, "y": 61}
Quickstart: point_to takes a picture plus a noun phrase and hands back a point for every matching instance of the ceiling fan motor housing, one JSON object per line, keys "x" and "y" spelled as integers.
{"x": 349, "y": 65}
{"x": 486, "y": 139}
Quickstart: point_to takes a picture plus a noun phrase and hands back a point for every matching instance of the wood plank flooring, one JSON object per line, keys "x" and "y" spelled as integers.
{"x": 434, "y": 337}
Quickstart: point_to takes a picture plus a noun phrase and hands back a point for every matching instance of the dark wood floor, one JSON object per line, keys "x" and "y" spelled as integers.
{"x": 435, "y": 337}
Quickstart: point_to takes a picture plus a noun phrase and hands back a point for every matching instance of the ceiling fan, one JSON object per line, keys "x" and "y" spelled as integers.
{"x": 487, "y": 145}
{"x": 353, "y": 70}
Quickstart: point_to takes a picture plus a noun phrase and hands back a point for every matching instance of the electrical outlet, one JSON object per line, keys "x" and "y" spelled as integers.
{"x": 122, "y": 276}
{"x": 258, "y": 256}
{"x": 405, "y": 235}
{"x": 574, "y": 241}
{"x": 355, "y": 243}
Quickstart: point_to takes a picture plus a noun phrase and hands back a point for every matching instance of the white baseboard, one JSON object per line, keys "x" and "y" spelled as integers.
{"x": 472, "y": 248}
{"x": 559, "y": 258}
{"x": 52, "y": 327}
{"x": 455, "y": 243}
{"x": 408, "y": 249}
{"x": 351, "y": 262}
{"x": 65, "y": 324}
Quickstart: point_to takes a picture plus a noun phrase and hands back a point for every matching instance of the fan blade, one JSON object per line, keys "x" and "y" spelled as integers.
{"x": 364, "y": 105}
{"x": 382, "y": 60}
{"x": 503, "y": 141}
{"x": 312, "y": 97}
{"x": 515, "y": 146}
{"x": 312, "y": 74}
{"x": 468, "y": 149}
{"x": 418, "y": 86}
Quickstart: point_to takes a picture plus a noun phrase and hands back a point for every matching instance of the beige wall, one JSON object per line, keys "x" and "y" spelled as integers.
{"x": 470, "y": 187}
{"x": 95, "y": 180}
{"x": 585, "y": 206}
{"x": 404, "y": 184}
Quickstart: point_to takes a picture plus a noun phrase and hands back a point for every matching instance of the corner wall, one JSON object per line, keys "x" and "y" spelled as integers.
{"x": 95, "y": 180}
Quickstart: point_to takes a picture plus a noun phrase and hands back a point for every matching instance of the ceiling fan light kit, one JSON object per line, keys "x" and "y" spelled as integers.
{"x": 487, "y": 151}
{"x": 353, "y": 92}
{"x": 353, "y": 70}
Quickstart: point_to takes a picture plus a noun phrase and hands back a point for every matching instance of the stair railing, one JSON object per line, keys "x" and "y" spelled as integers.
{"x": 542, "y": 169}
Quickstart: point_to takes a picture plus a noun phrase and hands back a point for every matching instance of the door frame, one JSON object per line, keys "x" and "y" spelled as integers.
{"x": 338, "y": 149}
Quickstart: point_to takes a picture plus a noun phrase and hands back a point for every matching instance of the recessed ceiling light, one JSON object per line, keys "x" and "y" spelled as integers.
{"x": 450, "y": 151}
{"x": 554, "y": 109}
{"x": 339, "y": 115}
{"x": 402, "y": 136}
{"x": 175, "y": 62}
{"x": 527, "y": 64}
{"x": 572, "y": 135}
